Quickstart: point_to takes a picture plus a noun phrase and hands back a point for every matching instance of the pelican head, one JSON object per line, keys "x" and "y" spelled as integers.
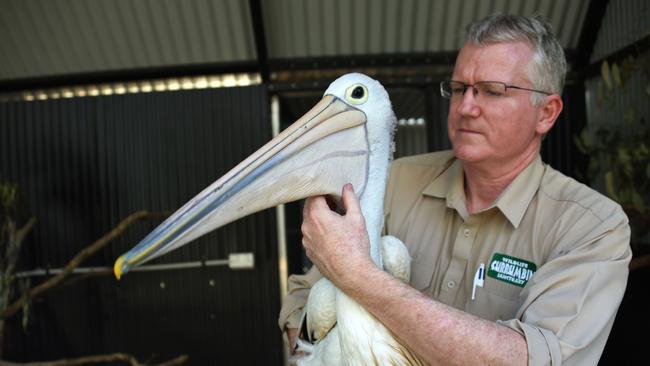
{"x": 332, "y": 144}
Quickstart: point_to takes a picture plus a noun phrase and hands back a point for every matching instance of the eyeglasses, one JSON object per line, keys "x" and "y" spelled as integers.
{"x": 452, "y": 89}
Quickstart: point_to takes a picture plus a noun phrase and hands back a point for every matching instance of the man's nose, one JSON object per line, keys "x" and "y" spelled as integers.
{"x": 467, "y": 105}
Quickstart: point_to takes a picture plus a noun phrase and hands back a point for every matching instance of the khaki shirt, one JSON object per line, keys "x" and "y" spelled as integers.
{"x": 554, "y": 254}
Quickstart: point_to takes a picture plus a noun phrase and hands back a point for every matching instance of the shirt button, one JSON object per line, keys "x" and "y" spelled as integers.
{"x": 451, "y": 284}
{"x": 467, "y": 233}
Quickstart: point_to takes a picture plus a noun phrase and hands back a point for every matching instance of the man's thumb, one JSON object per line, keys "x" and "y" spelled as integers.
{"x": 349, "y": 199}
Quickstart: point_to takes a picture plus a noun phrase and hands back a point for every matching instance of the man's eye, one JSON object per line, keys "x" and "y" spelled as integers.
{"x": 493, "y": 92}
{"x": 458, "y": 90}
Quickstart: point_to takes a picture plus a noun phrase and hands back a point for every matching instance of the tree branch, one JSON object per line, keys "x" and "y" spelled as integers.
{"x": 175, "y": 361}
{"x": 78, "y": 259}
{"x": 16, "y": 238}
{"x": 22, "y": 232}
{"x": 84, "y": 276}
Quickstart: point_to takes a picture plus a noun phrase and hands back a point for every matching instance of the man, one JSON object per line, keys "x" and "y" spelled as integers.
{"x": 513, "y": 262}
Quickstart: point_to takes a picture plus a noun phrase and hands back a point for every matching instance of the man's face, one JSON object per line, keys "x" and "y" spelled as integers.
{"x": 497, "y": 130}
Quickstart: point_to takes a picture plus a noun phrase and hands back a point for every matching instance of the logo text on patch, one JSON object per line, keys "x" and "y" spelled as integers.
{"x": 511, "y": 270}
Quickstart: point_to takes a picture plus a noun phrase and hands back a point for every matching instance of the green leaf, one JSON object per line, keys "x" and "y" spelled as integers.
{"x": 584, "y": 142}
{"x": 25, "y": 319}
{"x": 579, "y": 145}
{"x": 647, "y": 170}
{"x": 23, "y": 286}
{"x": 616, "y": 75}
{"x": 628, "y": 172}
{"x": 623, "y": 155}
{"x": 630, "y": 115}
{"x": 7, "y": 195}
{"x": 609, "y": 185}
{"x": 641, "y": 152}
{"x": 586, "y": 139}
{"x": 606, "y": 74}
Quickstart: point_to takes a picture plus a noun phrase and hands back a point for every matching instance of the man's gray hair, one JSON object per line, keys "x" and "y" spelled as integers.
{"x": 548, "y": 69}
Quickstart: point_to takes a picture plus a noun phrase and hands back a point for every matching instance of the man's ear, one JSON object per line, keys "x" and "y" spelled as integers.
{"x": 551, "y": 108}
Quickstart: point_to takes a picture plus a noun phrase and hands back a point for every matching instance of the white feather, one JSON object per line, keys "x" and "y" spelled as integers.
{"x": 320, "y": 311}
{"x": 396, "y": 258}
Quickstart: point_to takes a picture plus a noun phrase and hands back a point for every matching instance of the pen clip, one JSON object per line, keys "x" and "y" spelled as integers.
{"x": 479, "y": 279}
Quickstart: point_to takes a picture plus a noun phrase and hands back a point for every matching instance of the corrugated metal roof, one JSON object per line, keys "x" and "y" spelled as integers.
{"x": 54, "y": 37}
{"x": 626, "y": 21}
{"x": 297, "y": 28}
{"x": 45, "y": 38}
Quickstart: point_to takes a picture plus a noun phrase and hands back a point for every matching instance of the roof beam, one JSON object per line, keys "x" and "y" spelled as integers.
{"x": 116, "y": 76}
{"x": 260, "y": 38}
{"x": 589, "y": 34}
{"x": 356, "y": 61}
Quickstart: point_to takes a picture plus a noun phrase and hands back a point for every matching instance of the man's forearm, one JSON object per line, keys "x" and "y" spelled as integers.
{"x": 439, "y": 333}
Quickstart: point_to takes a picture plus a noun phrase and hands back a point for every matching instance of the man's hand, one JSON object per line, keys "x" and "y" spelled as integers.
{"x": 292, "y": 333}
{"x": 337, "y": 244}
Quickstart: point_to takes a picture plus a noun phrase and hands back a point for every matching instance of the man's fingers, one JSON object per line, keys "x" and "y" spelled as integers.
{"x": 350, "y": 200}
{"x": 291, "y": 337}
{"x": 314, "y": 203}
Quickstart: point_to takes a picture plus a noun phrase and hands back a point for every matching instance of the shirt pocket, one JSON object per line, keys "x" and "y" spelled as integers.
{"x": 495, "y": 301}
{"x": 421, "y": 274}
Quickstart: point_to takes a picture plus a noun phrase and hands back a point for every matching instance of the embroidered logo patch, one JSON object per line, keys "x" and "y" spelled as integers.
{"x": 512, "y": 270}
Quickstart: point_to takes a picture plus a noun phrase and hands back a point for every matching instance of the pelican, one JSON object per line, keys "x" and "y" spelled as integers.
{"x": 347, "y": 137}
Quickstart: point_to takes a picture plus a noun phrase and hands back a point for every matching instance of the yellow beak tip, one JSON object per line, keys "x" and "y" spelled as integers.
{"x": 117, "y": 267}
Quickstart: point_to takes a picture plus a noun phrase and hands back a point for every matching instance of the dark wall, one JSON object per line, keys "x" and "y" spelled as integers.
{"x": 83, "y": 165}
{"x": 558, "y": 148}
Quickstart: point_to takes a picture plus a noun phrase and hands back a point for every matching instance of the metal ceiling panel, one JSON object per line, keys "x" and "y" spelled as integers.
{"x": 49, "y": 38}
{"x": 624, "y": 23}
{"x": 55, "y": 37}
{"x": 313, "y": 28}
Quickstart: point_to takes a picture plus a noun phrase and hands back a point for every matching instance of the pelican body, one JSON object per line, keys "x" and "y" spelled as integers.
{"x": 345, "y": 138}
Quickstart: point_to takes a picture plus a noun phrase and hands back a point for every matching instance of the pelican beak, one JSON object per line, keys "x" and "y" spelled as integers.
{"x": 316, "y": 155}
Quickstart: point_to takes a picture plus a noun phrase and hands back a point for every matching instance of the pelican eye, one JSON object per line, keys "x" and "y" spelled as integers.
{"x": 357, "y": 94}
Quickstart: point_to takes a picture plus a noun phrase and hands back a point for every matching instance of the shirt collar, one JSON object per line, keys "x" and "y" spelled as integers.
{"x": 450, "y": 185}
{"x": 512, "y": 202}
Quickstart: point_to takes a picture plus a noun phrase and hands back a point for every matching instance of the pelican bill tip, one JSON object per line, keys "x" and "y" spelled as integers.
{"x": 119, "y": 267}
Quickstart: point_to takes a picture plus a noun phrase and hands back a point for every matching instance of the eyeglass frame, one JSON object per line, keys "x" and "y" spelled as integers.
{"x": 467, "y": 86}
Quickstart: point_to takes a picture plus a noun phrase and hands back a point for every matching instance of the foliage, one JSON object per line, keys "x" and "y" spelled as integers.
{"x": 8, "y": 249}
{"x": 619, "y": 150}
{"x": 8, "y": 193}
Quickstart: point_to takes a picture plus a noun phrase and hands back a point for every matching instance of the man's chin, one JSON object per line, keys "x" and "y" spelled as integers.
{"x": 468, "y": 153}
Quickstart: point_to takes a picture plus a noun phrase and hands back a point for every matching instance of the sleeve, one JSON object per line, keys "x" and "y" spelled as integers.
{"x": 569, "y": 305}
{"x": 296, "y": 298}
